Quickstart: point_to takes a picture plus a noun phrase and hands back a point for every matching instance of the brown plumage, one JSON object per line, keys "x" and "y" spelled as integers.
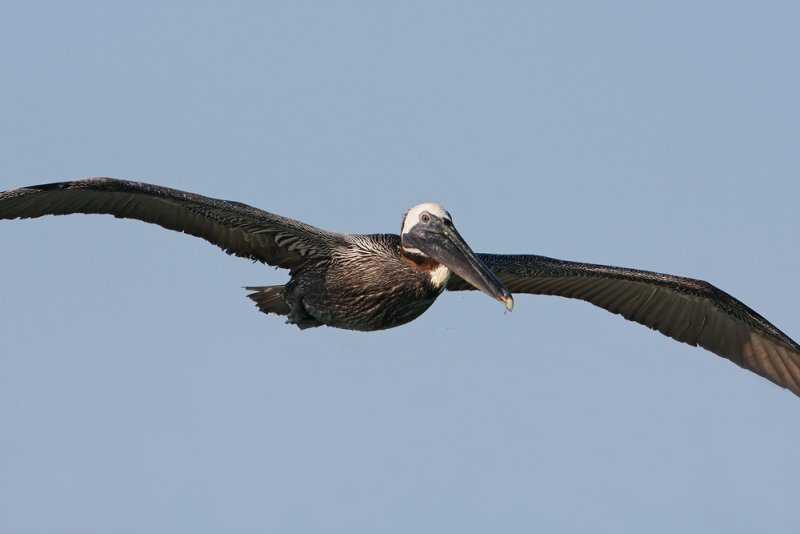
{"x": 372, "y": 282}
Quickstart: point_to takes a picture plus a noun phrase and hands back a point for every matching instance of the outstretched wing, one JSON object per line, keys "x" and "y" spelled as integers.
{"x": 688, "y": 310}
{"x": 236, "y": 228}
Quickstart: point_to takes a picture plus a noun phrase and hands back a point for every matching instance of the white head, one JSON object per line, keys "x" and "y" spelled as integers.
{"x": 417, "y": 214}
{"x": 422, "y": 214}
{"x": 433, "y": 244}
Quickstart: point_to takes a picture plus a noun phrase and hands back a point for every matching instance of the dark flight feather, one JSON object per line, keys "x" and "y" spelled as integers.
{"x": 687, "y": 310}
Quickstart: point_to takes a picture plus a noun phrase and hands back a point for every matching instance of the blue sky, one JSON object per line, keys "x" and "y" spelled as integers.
{"x": 140, "y": 391}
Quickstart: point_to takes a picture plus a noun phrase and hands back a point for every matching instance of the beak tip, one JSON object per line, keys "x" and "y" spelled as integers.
{"x": 509, "y": 302}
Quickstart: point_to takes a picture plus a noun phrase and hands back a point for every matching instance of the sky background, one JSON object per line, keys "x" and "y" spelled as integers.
{"x": 141, "y": 392}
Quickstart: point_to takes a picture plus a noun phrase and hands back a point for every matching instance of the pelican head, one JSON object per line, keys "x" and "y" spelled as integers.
{"x": 428, "y": 232}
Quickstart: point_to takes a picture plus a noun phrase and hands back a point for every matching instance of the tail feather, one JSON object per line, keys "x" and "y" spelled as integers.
{"x": 270, "y": 299}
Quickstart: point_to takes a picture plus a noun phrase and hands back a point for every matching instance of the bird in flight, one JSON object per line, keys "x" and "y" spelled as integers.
{"x": 378, "y": 281}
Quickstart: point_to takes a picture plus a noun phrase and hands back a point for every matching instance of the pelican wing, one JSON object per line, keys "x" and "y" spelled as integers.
{"x": 687, "y": 310}
{"x": 236, "y": 228}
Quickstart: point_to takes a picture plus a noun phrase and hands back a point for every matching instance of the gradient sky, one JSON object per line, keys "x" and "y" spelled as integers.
{"x": 141, "y": 392}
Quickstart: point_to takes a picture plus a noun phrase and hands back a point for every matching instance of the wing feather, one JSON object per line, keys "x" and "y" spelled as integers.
{"x": 687, "y": 310}
{"x": 236, "y": 228}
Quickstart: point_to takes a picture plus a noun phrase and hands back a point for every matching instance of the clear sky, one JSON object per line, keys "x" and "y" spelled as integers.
{"x": 141, "y": 392}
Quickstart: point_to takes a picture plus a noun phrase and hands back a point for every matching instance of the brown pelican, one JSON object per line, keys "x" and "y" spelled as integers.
{"x": 378, "y": 281}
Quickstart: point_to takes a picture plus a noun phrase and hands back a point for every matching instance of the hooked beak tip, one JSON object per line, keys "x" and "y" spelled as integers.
{"x": 509, "y": 302}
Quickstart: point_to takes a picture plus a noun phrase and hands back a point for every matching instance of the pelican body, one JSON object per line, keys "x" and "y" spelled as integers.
{"x": 374, "y": 282}
{"x": 379, "y": 281}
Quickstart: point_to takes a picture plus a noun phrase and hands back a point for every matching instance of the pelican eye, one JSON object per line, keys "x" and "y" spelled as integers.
{"x": 425, "y": 217}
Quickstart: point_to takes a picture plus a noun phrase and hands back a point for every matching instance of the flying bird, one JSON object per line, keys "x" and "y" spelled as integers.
{"x": 379, "y": 281}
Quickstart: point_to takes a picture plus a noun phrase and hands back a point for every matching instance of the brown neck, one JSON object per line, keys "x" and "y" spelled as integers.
{"x": 420, "y": 262}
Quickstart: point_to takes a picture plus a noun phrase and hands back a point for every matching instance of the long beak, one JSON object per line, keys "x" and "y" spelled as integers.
{"x": 441, "y": 242}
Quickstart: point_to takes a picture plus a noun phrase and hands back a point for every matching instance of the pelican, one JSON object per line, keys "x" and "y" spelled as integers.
{"x": 378, "y": 281}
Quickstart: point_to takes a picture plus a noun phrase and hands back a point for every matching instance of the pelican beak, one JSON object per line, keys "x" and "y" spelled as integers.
{"x": 440, "y": 241}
